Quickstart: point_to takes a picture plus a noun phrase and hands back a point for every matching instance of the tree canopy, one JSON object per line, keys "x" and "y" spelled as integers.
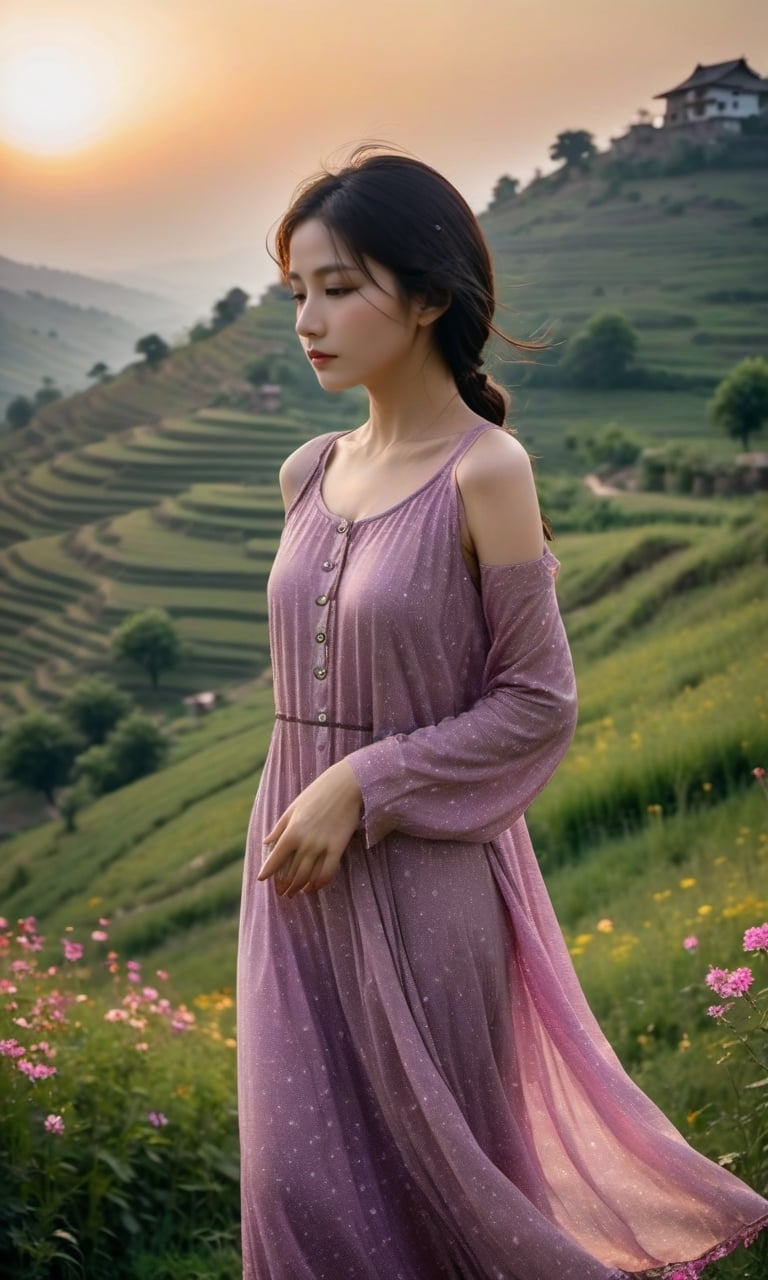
{"x": 575, "y": 147}
{"x": 149, "y": 639}
{"x": 600, "y": 354}
{"x": 38, "y": 752}
{"x": 94, "y": 707}
{"x": 740, "y": 402}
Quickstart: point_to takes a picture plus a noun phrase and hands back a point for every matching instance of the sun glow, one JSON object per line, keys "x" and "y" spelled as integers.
{"x": 56, "y": 93}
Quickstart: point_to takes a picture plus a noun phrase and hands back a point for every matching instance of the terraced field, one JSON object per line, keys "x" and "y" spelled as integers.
{"x": 185, "y": 515}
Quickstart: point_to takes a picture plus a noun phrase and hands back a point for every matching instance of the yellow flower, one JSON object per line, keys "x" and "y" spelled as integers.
{"x": 706, "y": 786}
{"x": 654, "y": 809}
{"x": 718, "y": 862}
{"x": 688, "y": 883}
{"x": 604, "y": 926}
{"x": 583, "y": 938}
{"x": 704, "y": 910}
{"x": 661, "y": 895}
{"x": 684, "y": 1043}
{"x": 577, "y": 951}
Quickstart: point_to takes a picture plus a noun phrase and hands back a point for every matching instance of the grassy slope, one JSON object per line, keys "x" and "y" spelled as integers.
{"x": 133, "y": 494}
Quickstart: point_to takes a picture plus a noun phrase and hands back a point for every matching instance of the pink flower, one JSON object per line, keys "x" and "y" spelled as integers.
{"x": 758, "y": 773}
{"x": 115, "y": 1015}
{"x": 724, "y": 983}
{"x": 11, "y": 1049}
{"x": 54, "y": 1124}
{"x": 72, "y": 950}
{"x": 691, "y": 943}
{"x": 149, "y": 993}
{"x": 716, "y": 1010}
{"x": 35, "y": 1070}
{"x": 7, "y": 988}
{"x": 98, "y": 935}
{"x": 157, "y": 1119}
{"x": 740, "y": 981}
{"x": 162, "y": 974}
{"x": 756, "y": 939}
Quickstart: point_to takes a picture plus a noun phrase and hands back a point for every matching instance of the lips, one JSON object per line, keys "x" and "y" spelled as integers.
{"x": 319, "y": 357}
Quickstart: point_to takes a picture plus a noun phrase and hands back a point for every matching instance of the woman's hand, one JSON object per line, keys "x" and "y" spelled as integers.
{"x": 309, "y": 839}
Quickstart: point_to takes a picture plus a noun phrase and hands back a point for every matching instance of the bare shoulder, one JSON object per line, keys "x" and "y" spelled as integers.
{"x": 299, "y": 464}
{"x": 498, "y": 491}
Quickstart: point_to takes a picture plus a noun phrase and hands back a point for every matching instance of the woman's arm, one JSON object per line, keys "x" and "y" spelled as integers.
{"x": 472, "y": 775}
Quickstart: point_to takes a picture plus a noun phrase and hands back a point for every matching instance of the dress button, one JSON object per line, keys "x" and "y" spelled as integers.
{"x": 327, "y": 565}
{"x": 319, "y": 673}
{"x": 320, "y": 637}
{"x": 321, "y": 600}
{"x": 321, "y": 717}
{"x": 342, "y": 526}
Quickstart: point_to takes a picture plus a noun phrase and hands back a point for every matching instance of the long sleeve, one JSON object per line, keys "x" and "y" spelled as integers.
{"x": 471, "y": 776}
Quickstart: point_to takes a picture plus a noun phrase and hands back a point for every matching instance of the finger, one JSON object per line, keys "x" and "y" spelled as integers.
{"x": 324, "y": 871}
{"x": 278, "y": 828}
{"x": 281, "y": 852}
{"x": 299, "y": 875}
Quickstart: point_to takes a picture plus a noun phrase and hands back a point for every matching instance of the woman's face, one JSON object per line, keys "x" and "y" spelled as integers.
{"x": 356, "y": 330}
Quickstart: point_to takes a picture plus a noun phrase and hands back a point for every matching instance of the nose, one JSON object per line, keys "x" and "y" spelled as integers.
{"x": 309, "y": 322}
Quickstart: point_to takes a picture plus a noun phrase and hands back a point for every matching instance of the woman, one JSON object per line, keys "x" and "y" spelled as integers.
{"x": 424, "y": 1092}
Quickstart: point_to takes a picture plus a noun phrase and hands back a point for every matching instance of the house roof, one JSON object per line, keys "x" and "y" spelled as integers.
{"x": 736, "y": 74}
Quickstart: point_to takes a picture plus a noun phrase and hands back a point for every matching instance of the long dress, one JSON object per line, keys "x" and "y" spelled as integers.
{"x": 424, "y": 1093}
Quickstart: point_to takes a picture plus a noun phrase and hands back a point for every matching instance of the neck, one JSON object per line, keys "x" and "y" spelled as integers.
{"x": 415, "y": 404}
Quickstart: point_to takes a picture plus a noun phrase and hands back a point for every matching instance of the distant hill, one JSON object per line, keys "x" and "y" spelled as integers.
{"x": 58, "y": 324}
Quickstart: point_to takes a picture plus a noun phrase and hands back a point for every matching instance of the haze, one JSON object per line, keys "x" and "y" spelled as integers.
{"x": 217, "y": 108}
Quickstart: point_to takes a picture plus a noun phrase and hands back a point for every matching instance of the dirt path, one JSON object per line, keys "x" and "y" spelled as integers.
{"x": 600, "y": 490}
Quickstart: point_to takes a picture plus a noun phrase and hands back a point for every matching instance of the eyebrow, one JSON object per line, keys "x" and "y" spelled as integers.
{"x": 325, "y": 271}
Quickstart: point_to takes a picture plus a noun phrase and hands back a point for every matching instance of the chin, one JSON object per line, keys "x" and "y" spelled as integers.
{"x": 335, "y": 383}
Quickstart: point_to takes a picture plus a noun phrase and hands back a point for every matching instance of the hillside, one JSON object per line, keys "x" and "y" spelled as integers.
{"x": 58, "y": 324}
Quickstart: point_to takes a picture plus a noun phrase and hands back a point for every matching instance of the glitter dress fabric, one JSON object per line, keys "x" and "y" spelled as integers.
{"x": 424, "y": 1093}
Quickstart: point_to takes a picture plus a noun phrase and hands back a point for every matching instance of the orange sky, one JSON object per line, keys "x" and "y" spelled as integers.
{"x": 221, "y": 106}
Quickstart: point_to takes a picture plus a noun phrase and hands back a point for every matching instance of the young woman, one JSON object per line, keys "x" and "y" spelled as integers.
{"x": 424, "y": 1093}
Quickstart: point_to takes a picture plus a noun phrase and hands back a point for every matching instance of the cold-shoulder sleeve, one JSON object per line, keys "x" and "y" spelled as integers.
{"x": 470, "y": 776}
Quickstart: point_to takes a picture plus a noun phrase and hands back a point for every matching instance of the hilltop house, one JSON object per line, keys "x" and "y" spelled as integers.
{"x": 712, "y": 102}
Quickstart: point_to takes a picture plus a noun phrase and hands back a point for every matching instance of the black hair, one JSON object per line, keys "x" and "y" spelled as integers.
{"x": 397, "y": 211}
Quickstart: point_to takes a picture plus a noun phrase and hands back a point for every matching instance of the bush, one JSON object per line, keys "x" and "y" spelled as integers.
{"x": 119, "y": 1123}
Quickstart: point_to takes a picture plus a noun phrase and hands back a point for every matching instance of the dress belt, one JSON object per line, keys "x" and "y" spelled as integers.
{"x": 324, "y": 724}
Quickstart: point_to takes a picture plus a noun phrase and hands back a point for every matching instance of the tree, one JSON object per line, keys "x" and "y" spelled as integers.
{"x": 94, "y": 707}
{"x": 740, "y": 402}
{"x": 38, "y": 752}
{"x": 47, "y": 393}
{"x": 599, "y": 355}
{"x": 153, "y": 348}
{"x": 137, "y": 746}
{"x": 149, "y": 639}
{"x": 506, "y": 189}
{"x": 19, "y": 412}
{"x": 229, "y": 308}
{"x": 100, "y": 370}
{"x": 575, "y": 147}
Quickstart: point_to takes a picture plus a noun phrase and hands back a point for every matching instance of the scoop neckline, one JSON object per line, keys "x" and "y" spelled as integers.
{"x": 378, "y": 515}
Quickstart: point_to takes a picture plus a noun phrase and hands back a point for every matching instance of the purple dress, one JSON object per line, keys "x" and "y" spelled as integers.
{"x": 424, "y": 1093}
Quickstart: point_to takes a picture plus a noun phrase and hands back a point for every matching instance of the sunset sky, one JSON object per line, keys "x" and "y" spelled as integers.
{"x": 134, "y": 132}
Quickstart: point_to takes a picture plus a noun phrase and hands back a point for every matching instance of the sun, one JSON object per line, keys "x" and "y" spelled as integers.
{"x": 55, "y": 95}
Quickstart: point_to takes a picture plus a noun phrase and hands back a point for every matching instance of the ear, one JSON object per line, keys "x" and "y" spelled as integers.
{"x": 431, "y": 308}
